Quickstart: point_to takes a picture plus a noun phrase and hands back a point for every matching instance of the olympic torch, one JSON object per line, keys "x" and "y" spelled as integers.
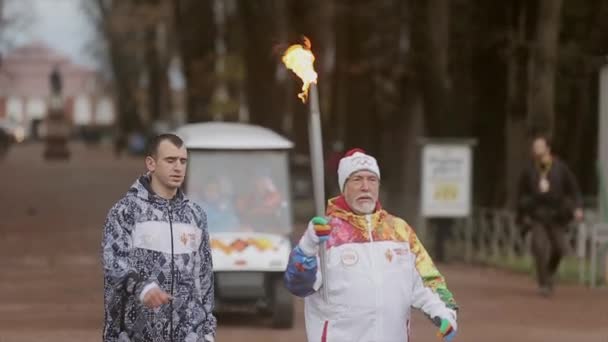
{"x": 299, "y": 59}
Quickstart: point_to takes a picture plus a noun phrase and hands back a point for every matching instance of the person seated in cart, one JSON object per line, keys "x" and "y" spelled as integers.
{"x": 260, "y": 205}
{"x": 218, "y": 204}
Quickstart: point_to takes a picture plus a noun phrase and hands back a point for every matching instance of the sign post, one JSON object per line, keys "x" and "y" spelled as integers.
{"x": 446, "y": 193}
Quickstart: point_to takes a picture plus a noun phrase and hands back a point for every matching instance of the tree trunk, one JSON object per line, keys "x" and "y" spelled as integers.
{"x": 261, "y": 61}
{"x": 316, "y": 20}
{"x": 431, "y": 38}
{"x": 386, "y": 52}
{"x": 196, "y": 32}
{"x": 462, "y": 43}
{"x": 543, "y": 60}
{"x": 353, "y": 89}
{"x": 155, "y": 74}
{"x": 437, "y": 83}
{"x": 515, "y": 126}
{"x": 121, "y": 62}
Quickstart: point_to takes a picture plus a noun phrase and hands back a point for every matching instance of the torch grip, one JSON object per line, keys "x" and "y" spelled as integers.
{"x": 316, "y": 163}
{"x": 323, "y": 262}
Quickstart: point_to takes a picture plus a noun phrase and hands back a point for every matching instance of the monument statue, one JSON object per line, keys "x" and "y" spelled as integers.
{"x": 57, "y": 126}
{"x": 56, "y": 82}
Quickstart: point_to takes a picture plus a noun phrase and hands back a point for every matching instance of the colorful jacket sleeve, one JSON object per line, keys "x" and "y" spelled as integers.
{"x": 430, "y": 292}
{"x": 206, "y": 280}
{"x": 301, "y": 274}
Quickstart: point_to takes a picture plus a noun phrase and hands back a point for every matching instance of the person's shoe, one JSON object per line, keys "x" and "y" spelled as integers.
{"x": 551, "y": 283}
{"x": 545, "y": 291}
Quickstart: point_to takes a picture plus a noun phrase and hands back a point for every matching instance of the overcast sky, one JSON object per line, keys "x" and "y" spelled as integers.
{"x": 60, "y": 23}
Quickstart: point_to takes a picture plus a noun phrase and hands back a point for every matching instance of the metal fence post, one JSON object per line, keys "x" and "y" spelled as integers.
{"x": 581, "y": 252}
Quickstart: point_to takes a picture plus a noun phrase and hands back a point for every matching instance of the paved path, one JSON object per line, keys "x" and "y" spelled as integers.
{"x": 50, "y": 279}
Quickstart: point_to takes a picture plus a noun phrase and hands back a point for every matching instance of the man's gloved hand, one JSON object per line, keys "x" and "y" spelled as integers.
{"x": 321, "y": 227}
{"x": 318, "y": 231}
{"x": 446, "y": 330}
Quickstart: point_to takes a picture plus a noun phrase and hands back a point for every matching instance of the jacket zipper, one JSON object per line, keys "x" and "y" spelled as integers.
{"x": 375, "y": 277}
{"x": 172, "y": 273}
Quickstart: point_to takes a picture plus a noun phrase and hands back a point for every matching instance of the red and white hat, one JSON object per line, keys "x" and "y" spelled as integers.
{"x": 355, "y": 160}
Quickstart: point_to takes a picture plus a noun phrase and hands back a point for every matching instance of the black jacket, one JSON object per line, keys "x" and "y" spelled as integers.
{"x": 554, "y": 206}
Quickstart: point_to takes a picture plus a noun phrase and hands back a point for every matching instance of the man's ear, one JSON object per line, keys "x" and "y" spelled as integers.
{"x": 150, "y": 164}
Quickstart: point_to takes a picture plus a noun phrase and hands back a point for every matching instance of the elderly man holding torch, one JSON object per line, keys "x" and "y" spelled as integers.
{"x": 376, "y": 270}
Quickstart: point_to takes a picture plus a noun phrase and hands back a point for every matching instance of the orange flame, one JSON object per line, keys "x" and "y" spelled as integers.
{"x": 300, "y": 59}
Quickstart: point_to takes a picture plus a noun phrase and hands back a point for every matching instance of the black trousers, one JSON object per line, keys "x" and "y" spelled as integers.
{"x": 549, "y": 246}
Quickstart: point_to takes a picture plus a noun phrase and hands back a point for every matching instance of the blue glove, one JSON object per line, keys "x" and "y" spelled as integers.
{"x": 449, "y": 336}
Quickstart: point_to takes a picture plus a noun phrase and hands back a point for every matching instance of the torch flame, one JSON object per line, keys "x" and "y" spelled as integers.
{"x": 300, "y": 59}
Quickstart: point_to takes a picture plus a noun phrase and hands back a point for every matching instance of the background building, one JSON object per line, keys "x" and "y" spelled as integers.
{"x": 25, "y": 90}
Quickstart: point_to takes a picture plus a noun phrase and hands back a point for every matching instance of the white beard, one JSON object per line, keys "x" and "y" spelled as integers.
{"x": 365, "y": 208}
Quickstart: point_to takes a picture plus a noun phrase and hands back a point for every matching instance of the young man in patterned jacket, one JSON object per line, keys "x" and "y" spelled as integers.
{"x": 377, "y": 269}
{"x": 158, "y": 277}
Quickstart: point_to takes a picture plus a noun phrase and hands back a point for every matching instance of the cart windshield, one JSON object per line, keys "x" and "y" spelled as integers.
{"x": 241, "y": 190}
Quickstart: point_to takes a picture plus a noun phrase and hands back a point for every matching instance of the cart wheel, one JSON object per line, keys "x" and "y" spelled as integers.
{"x": 282, "y": 306}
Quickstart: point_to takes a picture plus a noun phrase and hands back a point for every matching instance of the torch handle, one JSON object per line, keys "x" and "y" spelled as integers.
{"x": 318, "y": 179}
{"x": 316, "y": 152}
{"x": 323, "y": 262}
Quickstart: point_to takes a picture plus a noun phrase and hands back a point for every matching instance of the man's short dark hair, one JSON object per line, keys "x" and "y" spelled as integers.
{"x": 155, "y": 142}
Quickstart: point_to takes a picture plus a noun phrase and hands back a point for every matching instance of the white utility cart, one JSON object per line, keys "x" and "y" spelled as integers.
{"x": 239, "y": 174}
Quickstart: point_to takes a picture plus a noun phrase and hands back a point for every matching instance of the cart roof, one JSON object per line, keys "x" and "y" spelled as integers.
{"x": 231, "y": 136}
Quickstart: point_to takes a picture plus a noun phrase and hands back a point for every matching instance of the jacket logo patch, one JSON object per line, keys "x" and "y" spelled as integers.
{"x": 401, "y": 255}
{"x": 186, "y": 238}
{"x": 389, "y": 255}
{"x": 349, "y": 257}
